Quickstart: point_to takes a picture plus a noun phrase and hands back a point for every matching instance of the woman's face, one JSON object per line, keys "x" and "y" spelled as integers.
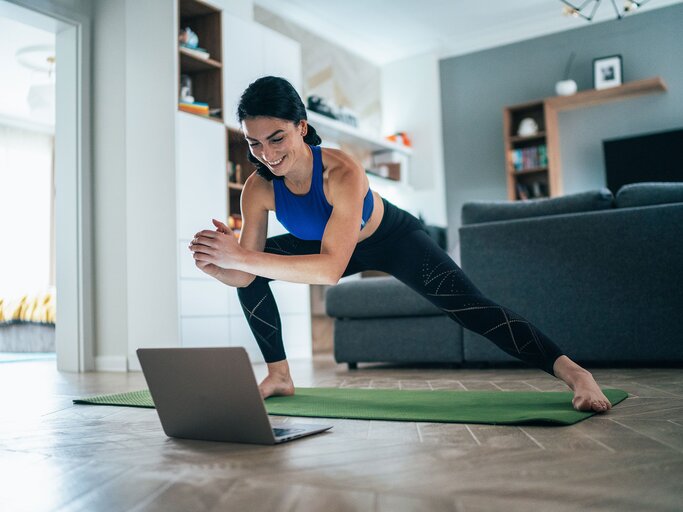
{"x": 277, "y": 143}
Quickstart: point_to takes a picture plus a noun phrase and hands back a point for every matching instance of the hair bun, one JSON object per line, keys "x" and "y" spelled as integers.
{"x": 312, "y": 138}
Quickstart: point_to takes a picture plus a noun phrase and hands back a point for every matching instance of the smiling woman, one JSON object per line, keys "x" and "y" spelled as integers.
{"x": 338, "y": 226}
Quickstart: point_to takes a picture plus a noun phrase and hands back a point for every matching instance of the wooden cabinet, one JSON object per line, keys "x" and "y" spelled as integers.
{"x": 203, "y": 67}
{"x": 533, "y": 165}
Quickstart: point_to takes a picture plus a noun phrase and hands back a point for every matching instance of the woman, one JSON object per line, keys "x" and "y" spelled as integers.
{"x": 338, "y": 227}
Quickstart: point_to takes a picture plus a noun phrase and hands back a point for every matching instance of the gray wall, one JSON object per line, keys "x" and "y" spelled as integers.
{"x": 476, "y": 87}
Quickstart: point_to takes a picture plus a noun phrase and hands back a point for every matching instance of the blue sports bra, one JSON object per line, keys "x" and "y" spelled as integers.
{"x": 305, "y": 216}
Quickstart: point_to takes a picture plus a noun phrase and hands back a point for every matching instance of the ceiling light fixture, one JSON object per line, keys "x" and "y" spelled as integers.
{"x": 40, "y": 59}
{"x": 587, "y": 8}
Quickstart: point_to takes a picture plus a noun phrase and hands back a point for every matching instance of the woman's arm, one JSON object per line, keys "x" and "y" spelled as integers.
{"x": 255, "y": 201}
{"x": 347, "y": 187}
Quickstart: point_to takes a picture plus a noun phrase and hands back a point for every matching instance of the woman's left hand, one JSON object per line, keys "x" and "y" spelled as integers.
{"x": 219, "y": 247}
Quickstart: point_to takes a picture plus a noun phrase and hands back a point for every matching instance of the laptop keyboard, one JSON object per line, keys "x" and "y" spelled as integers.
{"x": 279, "y": 432}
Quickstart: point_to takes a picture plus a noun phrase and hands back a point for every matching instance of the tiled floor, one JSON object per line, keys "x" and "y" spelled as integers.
{"x": 57, "y": 456}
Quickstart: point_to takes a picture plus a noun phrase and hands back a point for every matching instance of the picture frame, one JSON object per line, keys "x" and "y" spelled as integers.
{"x": 607, "y": 72}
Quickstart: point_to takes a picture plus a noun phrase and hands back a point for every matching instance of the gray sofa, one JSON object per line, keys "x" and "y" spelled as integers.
{"x": 601, "y": 276}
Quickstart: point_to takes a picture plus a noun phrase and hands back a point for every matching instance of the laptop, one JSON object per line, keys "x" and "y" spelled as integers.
{"x": 211, "y": 394}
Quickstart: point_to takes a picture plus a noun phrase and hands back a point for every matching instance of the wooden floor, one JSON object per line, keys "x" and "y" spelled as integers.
{"x": 57, "y": 456}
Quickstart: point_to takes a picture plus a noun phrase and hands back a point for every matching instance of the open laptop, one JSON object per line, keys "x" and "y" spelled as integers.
{"x": 211, "y": 394}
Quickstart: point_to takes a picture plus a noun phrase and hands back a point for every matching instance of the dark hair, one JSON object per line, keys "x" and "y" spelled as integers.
{"x": 273, "y": 96}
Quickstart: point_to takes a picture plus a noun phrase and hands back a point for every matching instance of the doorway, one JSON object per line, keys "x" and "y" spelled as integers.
{"x": 69, "y": 264}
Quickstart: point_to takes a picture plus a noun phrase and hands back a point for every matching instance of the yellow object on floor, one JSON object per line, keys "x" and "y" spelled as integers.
{"x": 40, "y": 308}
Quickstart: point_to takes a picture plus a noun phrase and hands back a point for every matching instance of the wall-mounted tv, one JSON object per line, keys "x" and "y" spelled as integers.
{"x": 648, "y": 157}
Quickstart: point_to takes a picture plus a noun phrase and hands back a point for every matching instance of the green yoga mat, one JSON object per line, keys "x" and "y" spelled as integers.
{"x": 491, "y": 407}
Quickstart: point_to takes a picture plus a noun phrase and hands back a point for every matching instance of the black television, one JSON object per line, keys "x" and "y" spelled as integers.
{"x": 647, "y": 157}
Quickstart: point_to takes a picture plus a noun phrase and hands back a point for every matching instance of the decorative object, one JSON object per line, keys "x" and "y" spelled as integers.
{"x": 188, "y": 38}
{"x": 587, "y": 8}
{"x": 186, "y": 89}
{"x": 328, "y": 108}
{"x": 566, "y": 87}
{"x": 527, "y": 127}
{"x": 607, "y": 72}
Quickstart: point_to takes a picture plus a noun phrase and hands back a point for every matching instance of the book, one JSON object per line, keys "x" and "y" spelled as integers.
{"x": 200, "y": 53}
{"x": 194, "y": 109}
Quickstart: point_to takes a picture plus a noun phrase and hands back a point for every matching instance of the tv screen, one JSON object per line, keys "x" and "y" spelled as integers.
{"x": 649, "y": 157}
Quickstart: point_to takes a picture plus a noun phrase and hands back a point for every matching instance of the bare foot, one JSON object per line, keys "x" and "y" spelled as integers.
{"x": 278, "y": 382}
{"x": 587, "y": 394}
{"x": 276, "y": 385}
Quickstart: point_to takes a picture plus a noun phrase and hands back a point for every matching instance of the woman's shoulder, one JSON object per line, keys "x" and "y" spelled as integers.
{"x": 339, "y": 162}
{"x": 259, "y": 190}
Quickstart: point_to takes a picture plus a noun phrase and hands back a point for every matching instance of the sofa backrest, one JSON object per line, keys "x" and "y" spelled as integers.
{"x": 476, "y": 212}
{"x": 649, "y": 194}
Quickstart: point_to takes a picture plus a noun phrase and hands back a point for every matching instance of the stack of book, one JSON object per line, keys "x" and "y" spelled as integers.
{"x": 200, "y": 53}
{"x": 533, "y": 157}
{"x": 197, "y": 107}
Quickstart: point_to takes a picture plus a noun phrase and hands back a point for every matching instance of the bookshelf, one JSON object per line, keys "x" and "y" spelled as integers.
{"x": 204, "y": 68}
{"x": 533, "y": 172}
{"x": 526, "y": 160}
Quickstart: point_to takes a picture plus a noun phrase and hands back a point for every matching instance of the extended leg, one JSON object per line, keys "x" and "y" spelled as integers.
{"x": 426, "y": 268}
{"x": 417, "y": 261}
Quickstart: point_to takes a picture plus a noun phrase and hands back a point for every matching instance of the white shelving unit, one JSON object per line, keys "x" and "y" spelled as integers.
{"x": 346, "y": 134}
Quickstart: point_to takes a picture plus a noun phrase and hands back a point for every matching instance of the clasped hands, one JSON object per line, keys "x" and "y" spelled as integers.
{"x": 219, "y": 248}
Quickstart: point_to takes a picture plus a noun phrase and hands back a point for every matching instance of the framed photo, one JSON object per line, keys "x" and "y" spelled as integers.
{"x": 607, "y": 72}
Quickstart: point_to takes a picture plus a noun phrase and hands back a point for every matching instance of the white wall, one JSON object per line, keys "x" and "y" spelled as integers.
{"x": 110, "y": 204}
{"x": 411, "y": 103}
{"x": 135, "y": 238}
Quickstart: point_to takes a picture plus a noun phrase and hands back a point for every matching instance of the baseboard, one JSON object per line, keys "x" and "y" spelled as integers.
{"x": 111, "y": 364}
{"x": 134, "y": 363}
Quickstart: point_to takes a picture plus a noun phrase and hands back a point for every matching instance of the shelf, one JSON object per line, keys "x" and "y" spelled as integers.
{"x": 533, "y": 170}
{"x": 191, "y": 64}
{"x": 343, "y": 133}
{"x": 527, "y": 138}
{"x": 596, "y": 97}
{"x": 211, "y": 118}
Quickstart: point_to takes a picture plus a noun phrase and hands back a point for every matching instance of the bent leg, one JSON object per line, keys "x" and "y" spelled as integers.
{"x": 258, "y": 302}
{"x": 261, "y": 312}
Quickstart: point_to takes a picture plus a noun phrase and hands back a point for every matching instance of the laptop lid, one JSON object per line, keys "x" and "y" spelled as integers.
{"x": 206, "y": 393}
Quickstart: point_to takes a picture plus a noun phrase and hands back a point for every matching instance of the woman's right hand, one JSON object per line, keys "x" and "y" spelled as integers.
{"x": 205, "y": 266}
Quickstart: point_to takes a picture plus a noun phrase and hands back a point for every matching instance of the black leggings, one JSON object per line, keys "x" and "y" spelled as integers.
{"x": 401, "y": 248}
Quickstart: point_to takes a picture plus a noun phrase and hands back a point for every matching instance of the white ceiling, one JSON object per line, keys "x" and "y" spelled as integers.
{"x": 386, "y": 30}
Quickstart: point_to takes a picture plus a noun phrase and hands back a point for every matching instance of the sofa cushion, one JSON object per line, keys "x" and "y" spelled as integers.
{"x": 648, "y": 194}
{"x": 375, "y": 297}
{"x": 476, "y": 212}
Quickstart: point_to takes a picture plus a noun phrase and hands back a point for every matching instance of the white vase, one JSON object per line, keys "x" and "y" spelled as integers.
{"x": 565, "y": 87}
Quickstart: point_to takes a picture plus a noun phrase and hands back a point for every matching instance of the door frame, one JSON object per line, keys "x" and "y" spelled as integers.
{"x": 74, "y": 331}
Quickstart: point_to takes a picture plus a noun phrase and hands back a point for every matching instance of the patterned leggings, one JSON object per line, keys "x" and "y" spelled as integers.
{"x": 401, "y": 248}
